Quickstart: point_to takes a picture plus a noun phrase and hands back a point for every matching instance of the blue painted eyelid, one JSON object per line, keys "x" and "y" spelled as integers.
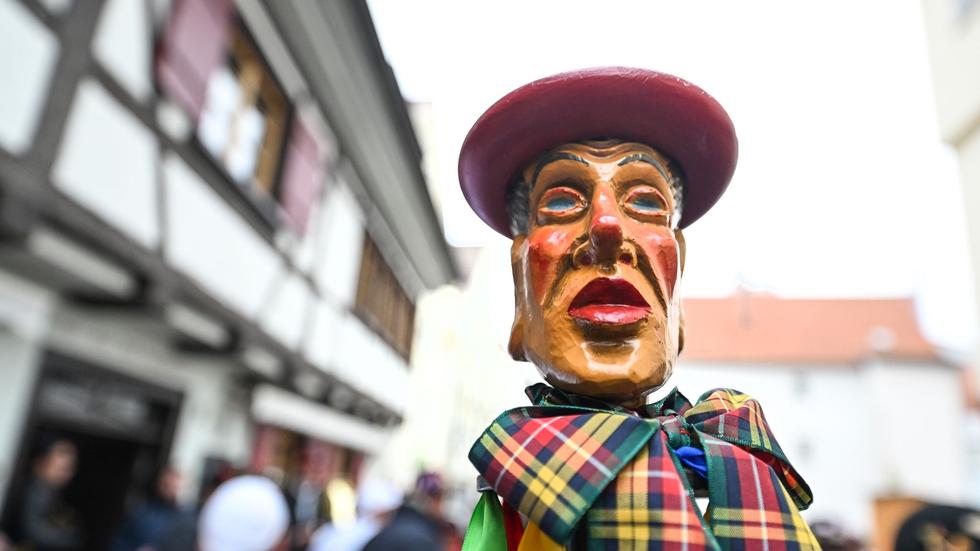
{"x": 647, "y": 204}
{"x": 560, "y": 203}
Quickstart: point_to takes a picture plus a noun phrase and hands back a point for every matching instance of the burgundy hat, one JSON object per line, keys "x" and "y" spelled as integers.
{"x": 660, "y": 110}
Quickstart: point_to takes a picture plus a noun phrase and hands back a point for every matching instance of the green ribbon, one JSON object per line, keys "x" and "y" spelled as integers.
{"x": 486, "y": 529}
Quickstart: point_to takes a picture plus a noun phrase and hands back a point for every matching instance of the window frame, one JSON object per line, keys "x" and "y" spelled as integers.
{"x": 266, "y": 203}
{"x": 398, "y": 329}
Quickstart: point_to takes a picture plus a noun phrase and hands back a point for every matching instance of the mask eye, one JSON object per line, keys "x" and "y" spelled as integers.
{"x": 561, "y": 202}
{"x": 645, "y": 201}
{"x": 647, "y": 204}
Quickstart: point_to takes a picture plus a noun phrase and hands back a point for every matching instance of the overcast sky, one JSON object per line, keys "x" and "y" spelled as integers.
{"x": 843, "y": 187}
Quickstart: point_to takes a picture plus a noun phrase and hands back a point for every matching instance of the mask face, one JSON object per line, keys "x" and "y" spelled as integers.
{"x": 597, "y": 274}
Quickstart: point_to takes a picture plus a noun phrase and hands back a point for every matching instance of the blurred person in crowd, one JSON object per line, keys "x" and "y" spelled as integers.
{"x": 833, "y": 537}
{"x": 302, "y": 498}
{"x": 376, "y": 501}
{"x": 275, "y": 474}
{"x": 5, "y": 544}
{"x": 247, "y": 513}
{"x": 940, "y": 528}
{"x": 145, "y": 527}
{"x": 182, "y": 533}
{"x": 308, "y": 506}
{"x": 46, "y": 522}
{"x": 418, "y": 524}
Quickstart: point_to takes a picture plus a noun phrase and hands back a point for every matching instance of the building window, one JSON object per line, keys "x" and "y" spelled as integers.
{"x": 243, "y": 120}
{"x": 193, "y": 45}
{"x": 382, "y": 303}
{"x": 209, "y": 64}
{"x": 303, "y": 173}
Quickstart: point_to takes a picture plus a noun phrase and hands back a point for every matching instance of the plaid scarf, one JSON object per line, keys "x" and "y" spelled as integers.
{"x": 571, "y": 459}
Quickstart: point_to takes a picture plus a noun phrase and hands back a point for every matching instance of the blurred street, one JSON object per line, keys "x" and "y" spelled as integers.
{"x": 240, "y": 286}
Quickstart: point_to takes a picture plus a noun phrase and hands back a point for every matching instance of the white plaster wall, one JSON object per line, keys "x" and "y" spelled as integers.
{"x": 969, "y": 159}
{"x": 122, "y": 45}
{"x": 972, "y": 443}
{"x": 788, "y": 393}
{"x": 28, "y": 52}
{"x": 21, "y": 359}
{"x": 305, "y": 252}
{"x": 954, "y": 47}
{"x": 107, "y": 162}
{"x": 392, "y": 376}
{"x": 285, "y": 316}
{"x": 234, "y": 435}
{"x": 210, "y": 243}
{"x": 920, "y": 421}
{"x": 215, "y": 421}
{"x": 355, "y": 358}
{"x": 321, "y": 345}
{"x": 341, "y": 241}
{"x": 24, "y": 311}
{"x": 370, "y": 365}
{"x": 24, "y": 307}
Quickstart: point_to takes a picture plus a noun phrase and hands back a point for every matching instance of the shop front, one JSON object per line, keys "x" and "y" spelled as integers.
{"x": 317, "y": 454}
{"x": 120, "y": 429}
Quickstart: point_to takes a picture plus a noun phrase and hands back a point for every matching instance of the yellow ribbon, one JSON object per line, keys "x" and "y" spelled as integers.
{"x": 536, "y": 540}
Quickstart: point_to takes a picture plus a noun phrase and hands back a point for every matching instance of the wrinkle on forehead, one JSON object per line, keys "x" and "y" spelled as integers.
{"x": 552, "y": 156}
{"x": 604, "y": 149}
{"x": 599, "y": 150}
{"x": 644, "y": 158}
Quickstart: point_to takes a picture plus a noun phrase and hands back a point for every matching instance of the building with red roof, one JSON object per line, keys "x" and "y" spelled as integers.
{"x": 768, "y": 329}
{"x": 862, "y": 403}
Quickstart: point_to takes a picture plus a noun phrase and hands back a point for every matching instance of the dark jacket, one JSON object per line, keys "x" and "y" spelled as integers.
{"x": 146, "y": 525}
{"x": 409, "y": 530}
{"x": 46, "y": 522}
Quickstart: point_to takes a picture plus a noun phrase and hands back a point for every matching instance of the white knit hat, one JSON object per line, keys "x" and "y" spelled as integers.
{"x": 247, "y": 513}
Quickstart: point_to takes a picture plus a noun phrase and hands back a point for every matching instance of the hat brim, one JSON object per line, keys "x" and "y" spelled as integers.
{"x": 663, "y": 111}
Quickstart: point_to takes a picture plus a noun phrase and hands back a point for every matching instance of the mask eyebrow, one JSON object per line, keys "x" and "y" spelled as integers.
{"x": 555, "y": 156}
{"x": 644, "y": 158}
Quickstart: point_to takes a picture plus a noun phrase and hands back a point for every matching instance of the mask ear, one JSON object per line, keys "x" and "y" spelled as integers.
{"x": 682, "y": 251}
{"x": 681, "y": 247}
{"x": 516, "y": 344}
{"x": 680, "y": 333}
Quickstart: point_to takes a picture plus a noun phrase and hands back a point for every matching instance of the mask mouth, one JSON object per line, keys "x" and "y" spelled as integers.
{"x": 608, "y": 301}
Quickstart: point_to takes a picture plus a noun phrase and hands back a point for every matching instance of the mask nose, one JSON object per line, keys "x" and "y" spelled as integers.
{"x": 605, "y": 246}
{"x": 606, "y": 236}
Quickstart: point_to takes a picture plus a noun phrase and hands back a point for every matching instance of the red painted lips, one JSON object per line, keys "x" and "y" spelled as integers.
{"x": 609, "y": 301}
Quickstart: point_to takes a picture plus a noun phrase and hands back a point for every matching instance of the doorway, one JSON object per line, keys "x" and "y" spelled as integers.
{"x": 121, "y": 428}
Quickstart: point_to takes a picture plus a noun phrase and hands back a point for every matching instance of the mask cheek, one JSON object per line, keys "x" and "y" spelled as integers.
{"x": 544, "y": 255}
{"x": 664, "y": 258}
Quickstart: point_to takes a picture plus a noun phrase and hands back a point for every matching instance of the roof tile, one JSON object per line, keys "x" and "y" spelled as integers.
{"x": 753, "y": 327}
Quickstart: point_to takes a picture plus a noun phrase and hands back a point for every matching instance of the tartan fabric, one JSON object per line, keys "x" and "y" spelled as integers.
{"x": 553, "y": 468}
{"x": 737, "y": 418}
{"x": 571, "y": 458}
{"x": 648, "y": 506}
{"x": 749, "y": 507}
